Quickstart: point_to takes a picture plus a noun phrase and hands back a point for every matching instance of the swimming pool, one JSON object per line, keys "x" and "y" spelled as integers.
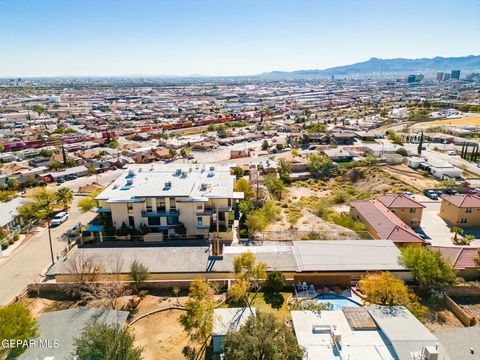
{"x": 335, "y": 302}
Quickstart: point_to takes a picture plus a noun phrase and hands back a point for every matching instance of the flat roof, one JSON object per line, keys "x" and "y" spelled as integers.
{"x": 312, "y": 330}
{"x": 189, "y": 181}
{"x": 302, "y": 256}
{"x": 65, "y": 326}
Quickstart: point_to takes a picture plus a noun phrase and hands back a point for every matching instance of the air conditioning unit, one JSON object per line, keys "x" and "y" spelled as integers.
{"x": 430, "y": 353}
{"x": 336, "y": 336}
{"x": 168, "y": 184}
{"x": 129, "y": 181}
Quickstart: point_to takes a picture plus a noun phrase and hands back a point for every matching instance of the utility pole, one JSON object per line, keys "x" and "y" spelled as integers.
{"x": 50, "y": 239}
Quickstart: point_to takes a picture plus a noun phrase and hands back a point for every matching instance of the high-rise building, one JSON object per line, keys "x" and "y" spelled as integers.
{"x": 455, "y": 75}
{"x": 446, "y": 77}
{"x": 414, "y": 78}
{"x": 440, "y": 75}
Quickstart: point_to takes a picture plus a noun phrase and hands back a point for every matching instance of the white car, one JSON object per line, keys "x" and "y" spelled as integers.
{"x": 60, "y": 218}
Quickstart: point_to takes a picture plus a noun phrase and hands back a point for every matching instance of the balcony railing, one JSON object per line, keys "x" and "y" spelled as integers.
{"x": 160, "y": 213}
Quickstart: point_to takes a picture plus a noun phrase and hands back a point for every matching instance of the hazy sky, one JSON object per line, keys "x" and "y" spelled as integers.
{"x": 225, "y": 37}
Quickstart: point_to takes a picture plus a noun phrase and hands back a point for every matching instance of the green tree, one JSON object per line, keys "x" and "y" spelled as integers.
{"x": 402, "y": 152}
{"x": 386, "y": 289}
{"x": 41, "y": 205}
{"x": 320, "y": 166}
{"x": 249, "y": 276}
{"x": 428, "y": 267}
{"x": 183, "y": 153}
{"x": 420, "y": 145}
{"x": 198, "y": 317}
{"x": 12, "y": 184}
{"x": 138, "y": 275}
{"x": 265, "y": 145}
{"x": 255, "y": 222}
{"x": 238, "y": 171}
{"x": 87, "y": 204}
{"x": 64, "y": 197}
{"x": 275, "y": 186}
{"x": 222, "y": 131}
{"x": 316, "y": 128}
{"x": 16, "y": 323}
{"x": 275, "y": 281}
{"x": 172, "y": 152}
{"x": 395, "y": 138}
{"x": 284, "y": 169}
{"x": 262, "y": 337}
{"x": 243, "y": 185}
{"x": 107, "y": 342}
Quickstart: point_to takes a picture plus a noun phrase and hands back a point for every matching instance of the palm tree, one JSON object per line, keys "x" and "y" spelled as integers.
{"x": 457, "y": 231}
{"x": 64, "y": 197}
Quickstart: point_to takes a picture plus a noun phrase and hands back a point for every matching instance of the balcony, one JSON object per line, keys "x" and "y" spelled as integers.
{"x": 212, "y": 210}
{"x": 157, "y": 213}
{"x": 202, "y": 225}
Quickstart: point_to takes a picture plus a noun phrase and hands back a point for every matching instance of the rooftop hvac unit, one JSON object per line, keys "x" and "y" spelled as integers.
{"x": 430, "y": 353}
{"x": 212, "y": 168}
{"x": 184, "y": 174}
{"x": 168, "y": 184}
{"x": 131, "y": 172}
{"x": 178, "y": 171}
{"x": 203, "y": 187}
{"x": 336, "y": 336}
{"x": 129, "y": 181}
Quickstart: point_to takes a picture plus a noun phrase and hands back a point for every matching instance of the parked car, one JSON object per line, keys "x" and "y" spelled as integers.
{"x": 452, "y": 153}
{"x": 60, "y": 218}
{"x": 70, "y": 177}
{"x": 451, "y": 192}
{"x": 431, "y": 194}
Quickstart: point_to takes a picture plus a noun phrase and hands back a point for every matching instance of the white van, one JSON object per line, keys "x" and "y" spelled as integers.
{"x": 60, "y": 218}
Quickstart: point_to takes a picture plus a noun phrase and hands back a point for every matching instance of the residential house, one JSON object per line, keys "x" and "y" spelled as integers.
{"x": 319, "y": 262}
{"x": 463, "y": 260}
{"x": 57, "y": 330}
{"x": 382, "y": 223}
{"x": 237, "y": 154}
{"x": 406, "y": 208}
{"x": 460, "y": 343}
{"x": 339, "y": 154}
{"x": 371, "y": 333}
{"x": 461, "y": 210}
{"x": 9, "y": 217}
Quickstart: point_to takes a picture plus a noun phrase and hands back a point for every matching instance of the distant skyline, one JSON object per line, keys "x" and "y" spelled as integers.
{"x": 225, "y": 37}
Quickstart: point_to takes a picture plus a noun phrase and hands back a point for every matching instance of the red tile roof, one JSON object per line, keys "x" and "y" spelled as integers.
{"x": 399, "y": 201}
{"x": 386, "y": 223}
{"x": 463, "y": 201}
{"x": 461, "y": 257}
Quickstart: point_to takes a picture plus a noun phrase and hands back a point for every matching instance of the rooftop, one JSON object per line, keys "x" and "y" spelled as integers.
{"x": 193, "y": 182}
{"x": 463, "y": 201}
{"x": 399, "y": 201}
{"x": 384, "y": 222}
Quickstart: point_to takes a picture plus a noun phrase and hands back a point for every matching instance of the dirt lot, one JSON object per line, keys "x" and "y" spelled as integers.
{"x": 161, "y": 334}
{"x": 467, "y": 121}
{"x": 411, "y": 177}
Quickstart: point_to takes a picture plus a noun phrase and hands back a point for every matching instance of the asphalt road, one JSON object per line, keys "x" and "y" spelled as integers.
{"x": 33, "y": 257}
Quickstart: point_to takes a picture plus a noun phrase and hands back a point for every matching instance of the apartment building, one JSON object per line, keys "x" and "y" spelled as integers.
{"x": 461, "y": 210}
{"x": 198, "y": 198}
{"x": 407, "y": 209}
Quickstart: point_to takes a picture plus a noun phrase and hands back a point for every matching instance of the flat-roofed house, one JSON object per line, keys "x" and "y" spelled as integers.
{"x": 461, "y": 210}
{"x": 407, "y": 209}
{"x": 384, "y": 224}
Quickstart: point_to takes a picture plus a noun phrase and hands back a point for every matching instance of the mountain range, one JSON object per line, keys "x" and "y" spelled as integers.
{"x": 376, "y": 66}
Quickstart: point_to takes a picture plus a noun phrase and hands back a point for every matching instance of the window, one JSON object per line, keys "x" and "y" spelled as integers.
{"x": 129, "y": 207}
{"x": 469, "y": 210}
{"x": 172, "y": 220}
{"x": 131, "y": 221}
{"x": 149, "y": 205}
{"x": 173, "y": 204}
{"x": 200, "y": 207}
{"x": 413, "y": 211}
{"x": 161, "y": 205}
{"x": 154, "y": 221}
{"x": 229, "y": 202}
{"x": 199, "y": 221}
{"x": 463, "y": 220}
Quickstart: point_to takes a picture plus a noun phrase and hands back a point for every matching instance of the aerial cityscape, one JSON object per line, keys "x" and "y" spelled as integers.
{"x": 239, "y": 180}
